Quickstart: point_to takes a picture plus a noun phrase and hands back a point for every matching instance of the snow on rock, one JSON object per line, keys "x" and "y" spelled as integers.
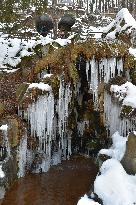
{"x": 86, "y": 201}
{"x": 126, "y": 93}
{"x": 2, "y": 175}
{"x": 114, "y": 186}
{"x": 132, "y": 51}
{"x": 13, "y": 49}
{"x": 62, "y": 42}
{"x": 117, "y": 150}
{"x": 123, "y": 22}
{"x": 41, "y": 86}
{"x": 4, "y": 127}
{"x": 47, "y": 75}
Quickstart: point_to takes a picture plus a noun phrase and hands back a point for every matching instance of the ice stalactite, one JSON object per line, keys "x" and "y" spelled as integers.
{"x": 48, "y": 123}
{"x": 22, "y": 156}
{"x": 102, "y": 71}
{"x": 113, "y": 121}
{"x": 92, "y": 78}
{"x": 81, "y": 126}
{"x": 40, "y": 117}
{"x": 65, "y": 95}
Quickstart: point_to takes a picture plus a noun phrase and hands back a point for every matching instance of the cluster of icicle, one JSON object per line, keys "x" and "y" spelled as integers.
{"x": 81, "y": 126}
{"x": 113, "y": 121}
{"x": 47, "y": 126}
{"x": 102, "y": 71}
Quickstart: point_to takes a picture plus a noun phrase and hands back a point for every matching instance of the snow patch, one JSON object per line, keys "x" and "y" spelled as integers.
{"x": 118, "y": 148}
{"x": 126, "y": 93}
{"x": 86, "y": 201}
{"x": 41, "y": 86}
{"x": 4, "y": 127}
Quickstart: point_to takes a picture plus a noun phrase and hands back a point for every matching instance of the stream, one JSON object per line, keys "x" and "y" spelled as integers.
{"x": 63, "y": 184}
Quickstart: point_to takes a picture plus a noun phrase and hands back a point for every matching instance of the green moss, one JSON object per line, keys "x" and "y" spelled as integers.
{"x": 54, "y": 82}
{"x": 126, "y": 111}
{"x": 73, "y": 73}
{"x": 21, "y": 90}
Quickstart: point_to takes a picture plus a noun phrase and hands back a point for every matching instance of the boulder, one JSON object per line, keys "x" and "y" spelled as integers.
{"x": 129, "y": 159}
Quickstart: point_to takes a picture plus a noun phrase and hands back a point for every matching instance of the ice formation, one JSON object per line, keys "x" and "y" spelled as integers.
{"x": 102, "y": 71}
{"x": 113, "y": 120}
{"x": 48, "y": 122}
{"x": 40, "y": 117}
{"x": 22, "y": 156}
{"x": 65, "y": 95}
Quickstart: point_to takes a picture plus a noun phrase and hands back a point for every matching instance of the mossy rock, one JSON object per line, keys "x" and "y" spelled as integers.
{"x": 126, "y": 111}
{"x": 13, "y": 132}
{"x": 21, "y": 90}
{"x": 129, "y": 159}
{"x": 54, "y": 82}
{"x": 102, "y": 158}
{"x": 129, "y": 62}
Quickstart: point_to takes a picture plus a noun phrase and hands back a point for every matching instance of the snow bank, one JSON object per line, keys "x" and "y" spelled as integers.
{"x": 41, "y": 86}
{"x": 114, "y": 186}
{"x": 118, "y": 148}
{"x": 123, "y": 22}
{"x": 126, "y": 93}
{"x": 86, "y": 201}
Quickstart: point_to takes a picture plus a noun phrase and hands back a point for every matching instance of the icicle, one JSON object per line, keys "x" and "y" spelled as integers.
{"x": 120, "y": 66}
{"x": 81, "y": 126}
{"x": 87, "y": 69}
{"x": 63, "y": 105}
{"x": 113, "y": 121}
{"x": 22, "y": 154}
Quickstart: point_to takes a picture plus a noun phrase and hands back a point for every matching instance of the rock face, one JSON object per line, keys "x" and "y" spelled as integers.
{"x": 129, "y": 159}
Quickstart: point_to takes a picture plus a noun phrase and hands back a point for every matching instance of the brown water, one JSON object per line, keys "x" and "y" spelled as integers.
{"x": 61, "y": 185}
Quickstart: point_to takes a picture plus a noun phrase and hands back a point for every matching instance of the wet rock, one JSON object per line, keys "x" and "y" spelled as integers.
{"x": 101, "y": 158}
{"x": 129, "y": 159}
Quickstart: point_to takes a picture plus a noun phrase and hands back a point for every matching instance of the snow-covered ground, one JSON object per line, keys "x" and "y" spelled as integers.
{"x": 13, "y": 49}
